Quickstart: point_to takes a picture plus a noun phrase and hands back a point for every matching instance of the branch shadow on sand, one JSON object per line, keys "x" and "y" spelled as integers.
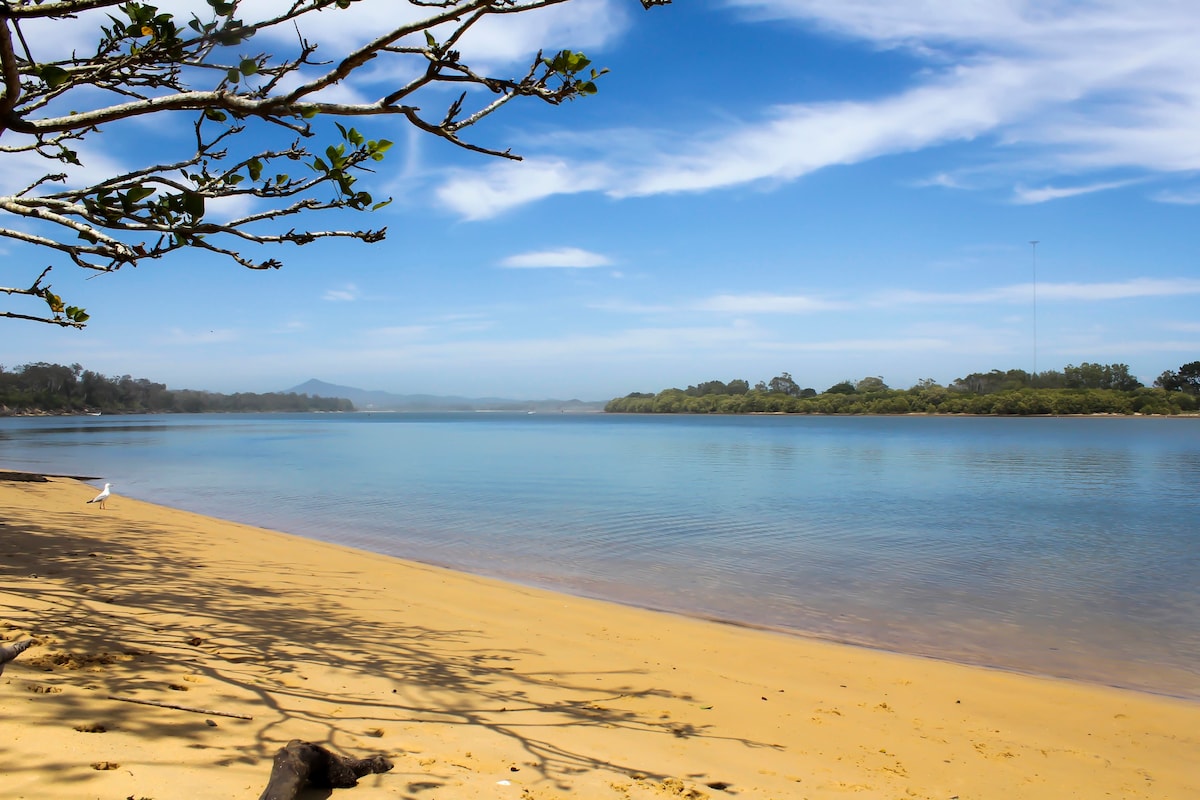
{"x": 117, "y": 613}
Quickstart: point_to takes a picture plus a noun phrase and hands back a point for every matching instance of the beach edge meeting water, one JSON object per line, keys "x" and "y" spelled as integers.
{"x": 491, "y": 689}
{"x": 1049, "y": 546}
{"x": 1054, "y": 546}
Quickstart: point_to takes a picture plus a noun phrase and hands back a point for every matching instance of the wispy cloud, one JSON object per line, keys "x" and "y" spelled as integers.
{"x": 1049, "y": 90}
{"x": 748, "y": 305}
{"x": 1027, "y": 196}
{"x": 346, "y": 294}
{"x": 1183, "y": 327}
{"x": 398, "y": 333}
{"x": 765, "y": 304}
{"x": 501, "y": 186}
{"x": 501, "y": 38}
{"x": 563, "y": 257}
{"x": 1022, "y": 293}
{"x": 1182, "y": 197}
{"x": 1122, "y": 290}
{"x": 901, "y": 344}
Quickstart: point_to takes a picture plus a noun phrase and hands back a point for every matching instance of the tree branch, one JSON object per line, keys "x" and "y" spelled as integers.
{"x": 145, "y": 64}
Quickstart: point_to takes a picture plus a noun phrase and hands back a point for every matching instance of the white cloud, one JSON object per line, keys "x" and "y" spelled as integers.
{"x": 346, "y": 294}
{"x": 501, "y": 186}
{"x": 943, "y": 180}
{"x": 1026, "y": 196}
{"x": 563, "y": 257}
{"x": 500, "y": 39}
{"x": 1123, "y": 290}
{"x": 1057, "y": 89}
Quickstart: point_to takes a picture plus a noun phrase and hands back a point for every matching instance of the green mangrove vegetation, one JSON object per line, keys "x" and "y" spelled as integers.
{"x": 1084, "y": 389}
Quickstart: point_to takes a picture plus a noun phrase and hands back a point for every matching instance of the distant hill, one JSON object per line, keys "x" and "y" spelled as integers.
{"x": 373, "y": 400}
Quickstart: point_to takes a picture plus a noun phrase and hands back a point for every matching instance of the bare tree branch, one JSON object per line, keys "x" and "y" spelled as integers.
{"x": 147, "y": 62}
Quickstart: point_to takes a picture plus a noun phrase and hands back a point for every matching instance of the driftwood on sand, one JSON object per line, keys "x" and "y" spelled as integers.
{"x": 304, "y": 764}
{"x": 10, "y": 651}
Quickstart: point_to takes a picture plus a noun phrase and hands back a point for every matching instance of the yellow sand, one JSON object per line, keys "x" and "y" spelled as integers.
{"x": 481, "y": 689}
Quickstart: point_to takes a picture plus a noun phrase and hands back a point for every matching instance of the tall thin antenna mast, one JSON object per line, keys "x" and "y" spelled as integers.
{"x": 1033, "y": 377}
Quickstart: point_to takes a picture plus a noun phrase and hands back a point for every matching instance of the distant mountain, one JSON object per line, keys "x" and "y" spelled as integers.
{"x": 368, "y": 400}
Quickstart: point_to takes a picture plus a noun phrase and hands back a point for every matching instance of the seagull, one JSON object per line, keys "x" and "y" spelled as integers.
{"x": 103, "y": 496}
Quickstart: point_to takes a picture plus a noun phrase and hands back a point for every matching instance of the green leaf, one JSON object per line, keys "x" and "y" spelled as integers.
{"x": 248, "y": 66}
{"x": 193, "y": 204}
{"x": 139, "y": 193}
{"x": 356, "y": 138}
{"x": 309, "y": 112}
{"x": 255, "y": 169}
{"x": 215, "y": 114}
{"x": 429, "y": 40}
{"x": 233, "y": 75}
{"x": 381, "y": 204}
{"x": 319, "y": 165}
{"x": 53, "y": 76}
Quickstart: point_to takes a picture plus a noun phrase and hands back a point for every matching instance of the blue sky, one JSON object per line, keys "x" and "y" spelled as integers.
{"x": 831, "y": 188}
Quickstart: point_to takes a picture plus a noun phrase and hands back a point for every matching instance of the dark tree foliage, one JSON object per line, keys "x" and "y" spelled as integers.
{"x": 55, "y": 389}
{"x": 1186, "y": 379}
{"x": 1100, "y": 376}
{"x": 718, "y": 387}
{"x": 784, "y": 384}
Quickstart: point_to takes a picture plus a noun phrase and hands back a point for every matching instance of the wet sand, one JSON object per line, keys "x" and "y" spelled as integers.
{"x": 476, "y": 688}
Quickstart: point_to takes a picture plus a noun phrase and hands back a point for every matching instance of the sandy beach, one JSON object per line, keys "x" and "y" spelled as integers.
{"x": 245, "y": 639}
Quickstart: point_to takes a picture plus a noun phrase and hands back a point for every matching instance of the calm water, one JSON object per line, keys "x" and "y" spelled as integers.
{"x": 1060, "y": 546}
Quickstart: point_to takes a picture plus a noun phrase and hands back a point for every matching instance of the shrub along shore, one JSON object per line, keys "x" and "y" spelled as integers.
{"x": 935, "y": 400}
{"x": 1084, "y": 389}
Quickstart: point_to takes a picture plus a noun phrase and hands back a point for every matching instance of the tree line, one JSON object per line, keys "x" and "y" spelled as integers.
{"x": 42, "y": 388}
{"x": 1083, "y": 389}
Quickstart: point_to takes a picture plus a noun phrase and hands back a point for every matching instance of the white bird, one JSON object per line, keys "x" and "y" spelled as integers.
{"x": 103, "y": 496}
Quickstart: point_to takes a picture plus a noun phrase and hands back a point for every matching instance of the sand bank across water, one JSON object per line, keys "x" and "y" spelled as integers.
{"x": 481, "y": 689}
